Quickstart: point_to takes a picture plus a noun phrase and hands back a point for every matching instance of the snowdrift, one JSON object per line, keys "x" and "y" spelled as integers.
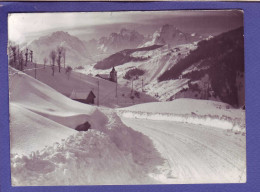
{"x": 46, "y": 101}
{"x": 109, "y": 155}
{"x": 30, "y": 131}
{"x": 200, "y": 112}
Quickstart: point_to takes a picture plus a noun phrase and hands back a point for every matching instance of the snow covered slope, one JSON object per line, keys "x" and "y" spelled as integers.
{"x": 221, "y": 59}
{"x": 81, "y": 82}
{"x": 153, "y": 62}
{"x": 36, "y": 106}
{"x": 46, "y": 150}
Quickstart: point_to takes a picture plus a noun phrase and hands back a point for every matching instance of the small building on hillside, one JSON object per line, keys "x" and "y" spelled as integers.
{"x": 110, "y": 77}
{"x": 86, "y": 96}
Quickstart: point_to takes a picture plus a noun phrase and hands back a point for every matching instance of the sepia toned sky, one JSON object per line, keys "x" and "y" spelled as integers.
{"x": 24, "y": 27}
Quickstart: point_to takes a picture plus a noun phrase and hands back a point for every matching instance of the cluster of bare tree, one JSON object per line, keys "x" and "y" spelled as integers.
{"x": 57, "y": 56}
{"x": 18, "y": 58}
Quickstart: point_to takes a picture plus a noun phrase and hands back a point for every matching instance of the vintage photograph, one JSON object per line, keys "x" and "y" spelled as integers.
{"x": 127, "y": 98}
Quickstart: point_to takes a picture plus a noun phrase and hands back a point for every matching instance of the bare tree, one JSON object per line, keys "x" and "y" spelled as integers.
{"x": 53, "y": 57}
{"x": 59, "y": 50}
{"x": 21, "y": 60}
{"x": 61, "y": 53}
{"x": 31, "y": 55}
{"x": 64, "y": 56}
{"x": 13, "y": 62}
{"x": 15, "y": 55}
{"x": 26, "y": 56}
{"x": 68, "y": 71}
{"x": 45, "y": 60}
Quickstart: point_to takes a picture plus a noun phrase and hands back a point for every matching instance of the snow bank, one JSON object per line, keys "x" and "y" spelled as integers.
{"x": 236, "y": 125}
{"x": 199, "y": 112}
{"x": 115, "y": 155}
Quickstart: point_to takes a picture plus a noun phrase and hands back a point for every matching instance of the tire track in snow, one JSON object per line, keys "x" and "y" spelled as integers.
{"x": 195, "y": 154}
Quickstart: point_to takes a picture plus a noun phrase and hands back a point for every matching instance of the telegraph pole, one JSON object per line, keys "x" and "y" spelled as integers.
{"x": 31, "y": 53}
{"x": 21, "y": 60}
{"x": 18, "y": 56}
{"x": 35, "y": 70}
{"x": 116, "y": 94}
{"x": 207, "y": 89}
{"x": 26, "y": 56}
{"x": 142, "y": 85}
{"x": 98, "y": 94}
{"x": 116, "y": 89}
{"x": 132, "y": 86}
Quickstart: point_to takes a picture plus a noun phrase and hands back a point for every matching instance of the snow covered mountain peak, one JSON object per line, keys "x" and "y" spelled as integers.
{"x": 171, "y": 35}
{"x": 76, "y": 51}
{"x": 57, "y": 36}
{"x": 125, "y": 39}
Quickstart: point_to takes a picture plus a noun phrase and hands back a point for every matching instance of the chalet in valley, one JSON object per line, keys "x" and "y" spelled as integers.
{"x": 110, "y": 77}
{"x": 86, "y": 96}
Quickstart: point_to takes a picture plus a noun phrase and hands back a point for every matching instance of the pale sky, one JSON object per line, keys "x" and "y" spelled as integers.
{"x": 26, "y": 26}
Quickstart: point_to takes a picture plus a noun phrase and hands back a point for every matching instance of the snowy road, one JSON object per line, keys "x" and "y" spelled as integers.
{"x": 195, "y": 154}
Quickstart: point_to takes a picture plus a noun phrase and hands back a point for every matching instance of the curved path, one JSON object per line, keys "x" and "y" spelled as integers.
{"x": 195, "y": 154}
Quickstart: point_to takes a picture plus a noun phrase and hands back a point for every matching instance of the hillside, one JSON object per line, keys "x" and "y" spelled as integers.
{"x": 144, "y": 73}
{"x": 124, "y": 56}
{"x": 221, "y": 57}
{"x": 83, "y": 83}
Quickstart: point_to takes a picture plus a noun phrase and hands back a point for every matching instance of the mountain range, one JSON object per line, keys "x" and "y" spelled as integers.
{"x": 80, "y": 52}
{"x": 179, "y": 71}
